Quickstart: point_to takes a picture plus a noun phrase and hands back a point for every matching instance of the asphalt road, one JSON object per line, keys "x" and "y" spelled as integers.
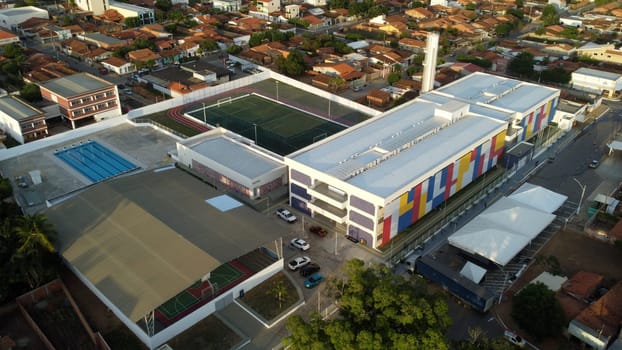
{"x": 572, "y": 162}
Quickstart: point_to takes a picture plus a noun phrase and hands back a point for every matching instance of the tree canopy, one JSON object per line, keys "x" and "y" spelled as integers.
{"x": 294, "y": 65}
{"x": 537, "y": 311}
{"x": 549, "y": 15}
{"x": 30, "y": 92}
{"x": 378, "y": 310}
{"x": 522, "y": 64}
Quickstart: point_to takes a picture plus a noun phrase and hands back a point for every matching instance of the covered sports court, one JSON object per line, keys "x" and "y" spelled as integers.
{"x": 140, "y": 241}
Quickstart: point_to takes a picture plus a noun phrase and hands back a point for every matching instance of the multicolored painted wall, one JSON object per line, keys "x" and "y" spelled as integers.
{"x": 538, "y": 119}
{"x": 429, "y": 194}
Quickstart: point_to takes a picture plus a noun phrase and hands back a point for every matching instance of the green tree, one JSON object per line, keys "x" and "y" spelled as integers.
{"x": 378, "y": 310}
{"x": 294, "y": 65}
{"x": 537, "y": 299}
{"x": 556, "y": 75}
{"x": 298, "y": 22}
{"x": 519, "y": 3}
{"x": 503, "y": 29}
{"x": 393, "y": 78}
{"x": 10, "y": 67}
{"x": 522, "y": 64}
{"x": 279, "y": 292}
{"x": 30, "y": 92}
{"x": 208, "y": 45}
{"x": 549, "y": 15}
{"x": 336, "y": 83}
{"x": 12, "y": 51}
{"x": 234, "y": 49}
{"x": 132, "y": 22}
{"x": 164, "y": 5}
{"x": 34, "y": 244}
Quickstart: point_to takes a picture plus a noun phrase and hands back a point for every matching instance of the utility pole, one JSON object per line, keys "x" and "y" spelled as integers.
{"x": 582, "y": 186}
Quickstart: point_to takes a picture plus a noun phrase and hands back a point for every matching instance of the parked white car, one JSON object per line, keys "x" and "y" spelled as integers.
{"x": 299, "y": 262}
{"x": 300, "y": 243}
{"x": 515, "y": 339}
{"x": 286, "y": 215}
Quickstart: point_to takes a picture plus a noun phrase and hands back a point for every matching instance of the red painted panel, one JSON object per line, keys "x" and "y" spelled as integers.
{"x": 386, "y": 230}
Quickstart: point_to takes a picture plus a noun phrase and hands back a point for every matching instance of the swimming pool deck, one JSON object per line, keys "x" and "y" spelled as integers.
{"x": 141, "y": 145}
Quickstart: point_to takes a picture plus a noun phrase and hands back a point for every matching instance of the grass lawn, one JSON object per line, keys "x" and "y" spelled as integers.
{"x": 163, "y": 118}
{"x": 262, "y": 300}
{"x": 209, "y": 334}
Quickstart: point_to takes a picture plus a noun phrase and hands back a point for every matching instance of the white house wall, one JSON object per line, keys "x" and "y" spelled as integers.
{"x": 11, "y": 126}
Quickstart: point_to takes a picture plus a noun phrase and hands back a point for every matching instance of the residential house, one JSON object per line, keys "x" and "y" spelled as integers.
{"x": 413, "y": 45}
{"x": 22, "y": 121}
{"x": 11, "y": 18}
{"x": 227, "y": 5}
{"x": 157, "y": 31}
{"x": 316, "y": 23}
{"x": 188, "y": 48}
{"x": 292, "y": 11}
{"x": 349, "y": 74}
{"x": 583, "y": 285}
{"x": 55, "y": 33}
{"x": 273, "y": 49}
{"x": 601, "y": 52}
{"x": 104, "y": 41}
{"x": 599, "y": 323}
{"x": 74, "y": 47}
{"x": 97, "y": 7}
{"x": 8, "y": 38}
{"x": 83, "y": 98}
{"x": 31, "y": 26}
{"x": 268, "y": 6}
{"x": 97, "y": 54}
{"x": 75, "y": 30}
{"x": 118, "y": 65}
{"x": 560, "y": 50}
{"x": 378, "y": 97}
{"x": 316, "y": 2}
{"x": 206, "y": 72}
{"x": 419, "y": 14}
{"x": 324, "y": 81}
{"x": 340, "y": 16}
{"x": 144, "y": 57}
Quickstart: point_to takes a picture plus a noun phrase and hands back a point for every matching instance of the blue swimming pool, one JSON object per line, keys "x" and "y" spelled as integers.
{"x": 95, "y": 161}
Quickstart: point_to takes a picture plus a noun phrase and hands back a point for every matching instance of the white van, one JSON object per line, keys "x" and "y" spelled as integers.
{"x": 411, "y": 260}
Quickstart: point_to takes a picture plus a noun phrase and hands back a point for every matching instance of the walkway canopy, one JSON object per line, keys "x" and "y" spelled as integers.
{"x": 501, "y": 231}
{"x": 539, "y": 197}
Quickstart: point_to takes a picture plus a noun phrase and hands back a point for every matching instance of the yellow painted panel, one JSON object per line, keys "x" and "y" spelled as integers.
{"x": 404, "y": 204}
{"x": 500, "y": 140}
{"x": 422, "y": 203}
{"x": 465, "y": 162}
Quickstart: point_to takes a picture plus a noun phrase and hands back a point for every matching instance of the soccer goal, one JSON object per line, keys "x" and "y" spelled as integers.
{"x": 222, "y": 101}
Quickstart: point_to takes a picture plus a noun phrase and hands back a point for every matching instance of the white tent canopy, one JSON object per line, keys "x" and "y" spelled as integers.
{"x": 615, "y": 146}
{"x": 539, "y": 197}
{"x": 501, "y": 231}
{"x": 473, "y": 272}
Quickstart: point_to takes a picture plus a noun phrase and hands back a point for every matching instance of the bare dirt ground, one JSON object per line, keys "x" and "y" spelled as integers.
{"x": 575, "y": 252}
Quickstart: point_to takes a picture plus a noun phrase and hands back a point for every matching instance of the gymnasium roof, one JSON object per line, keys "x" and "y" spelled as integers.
{"x": 142, "y": 239}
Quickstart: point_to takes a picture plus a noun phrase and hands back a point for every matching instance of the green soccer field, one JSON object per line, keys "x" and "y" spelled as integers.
{"x": 277, "y": 127}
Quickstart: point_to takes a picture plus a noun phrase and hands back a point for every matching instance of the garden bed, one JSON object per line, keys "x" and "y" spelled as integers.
{"x": 263, "y": 300}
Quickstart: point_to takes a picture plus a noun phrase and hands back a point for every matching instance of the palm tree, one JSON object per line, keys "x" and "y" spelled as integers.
{"x": 34, "y": 238}
{"x": 34, "y": 234}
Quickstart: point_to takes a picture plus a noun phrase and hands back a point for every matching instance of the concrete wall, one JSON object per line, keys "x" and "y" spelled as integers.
{"x": 209, "y": 308}
{"x": 11, "y": 126}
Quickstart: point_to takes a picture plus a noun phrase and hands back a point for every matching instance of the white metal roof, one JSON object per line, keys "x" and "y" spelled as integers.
{"x": 18, "y": 109}
{"x": 539, "y": 197}
{"x": 388, "y": 152}
{"x": 236, "y": 157}
{"x": 76, "y": 84}
{"x": 433, "y": 153}
{"x": 510, "y": 94}
{"x": 501, "y": 231}
{"x": 473, "y": 272}
{"x": 598, "y": 73}
{"x": 551, "y": 281}
{"x": 496, "y": 113}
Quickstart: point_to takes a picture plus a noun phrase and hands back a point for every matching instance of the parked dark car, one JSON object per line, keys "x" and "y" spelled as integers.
{"x": 318, "y": 230}
{"x": 309, "y": 270}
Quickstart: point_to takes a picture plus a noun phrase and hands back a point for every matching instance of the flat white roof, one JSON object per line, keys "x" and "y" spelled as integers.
{"x": 598, "y": 73}
{"x": 236, "y": 157}
{"x": 388, "y": 152}
{"x": 488, "y": 111}
{"x": 510, "y": 94}
{"x": 428, "y": 156}
{"x": 21, "y": 11}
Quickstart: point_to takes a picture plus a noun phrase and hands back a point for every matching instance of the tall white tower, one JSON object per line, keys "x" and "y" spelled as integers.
{"x": 429, "y": 63}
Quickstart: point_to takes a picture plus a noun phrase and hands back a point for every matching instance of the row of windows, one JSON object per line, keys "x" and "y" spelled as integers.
{"x": 92, "y": 109}
{"x": 88, "y": 99}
